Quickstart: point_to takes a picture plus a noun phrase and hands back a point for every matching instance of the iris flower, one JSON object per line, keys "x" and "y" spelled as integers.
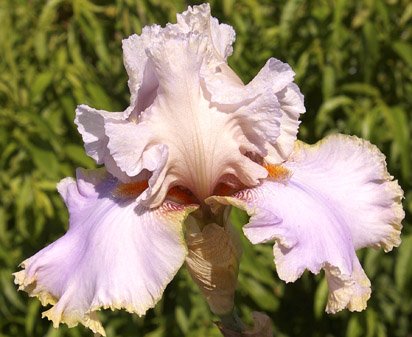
{"x": 194, "y": 142}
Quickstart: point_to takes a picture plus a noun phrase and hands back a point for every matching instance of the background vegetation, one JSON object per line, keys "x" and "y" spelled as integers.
{"x": 353, "y": 61}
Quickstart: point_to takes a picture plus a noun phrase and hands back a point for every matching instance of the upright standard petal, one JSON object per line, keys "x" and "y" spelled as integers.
{"x": 221, "y": 36}
{"x": 228, "y": 92}
{"x": 182, "y": 123}
{"x": 116, "y": 253}
{"x": 193, "y": 130}
{"x": 291, "y": 106}
{"x": 186, "y": 102}
{"x": 325, "y": 202}
{"x": 142, "y": 82}
{"x": 90, "y": 124}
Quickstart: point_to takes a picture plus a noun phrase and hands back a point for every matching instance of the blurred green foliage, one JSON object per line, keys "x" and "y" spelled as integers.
{"x": 353, "y": 61}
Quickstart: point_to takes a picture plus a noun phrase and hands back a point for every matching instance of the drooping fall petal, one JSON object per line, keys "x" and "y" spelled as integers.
{"x": 116, "y": 253}
{"x": 325, "y": 202}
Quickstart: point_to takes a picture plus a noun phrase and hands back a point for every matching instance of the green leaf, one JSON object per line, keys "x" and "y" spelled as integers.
{"x": 328, "y": 84}
{"x": 31, "y": 317}
{"x": 182, "y": 319}
{"x": 78, "y": 155}
{"x": 403, "y": 270}
{"x": 321, "y": 298}
{"x": 404, "y": 50}
{"x": 354, "y": 328}
{"x": 9, "y": 289}
{"x": 361, "y": 89}
{"x": 45, "y": 161}
{"x": 40, "y": 84}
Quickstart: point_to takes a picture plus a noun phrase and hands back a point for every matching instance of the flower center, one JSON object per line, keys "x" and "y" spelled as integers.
{"x": 277, "y": 172}
{"x": 184, "y": 196}
{"x": 130, "y": 190}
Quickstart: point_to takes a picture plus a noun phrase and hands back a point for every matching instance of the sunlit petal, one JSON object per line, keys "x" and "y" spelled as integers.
{"x": 337, "y": 197}
{"x": 182, "y": 123}
{"x": 291, "y": 106}
{"x": 116, "y": 254}
{"x": 192, "y": 122}
{"x": 198, "y": 19}
{"x": 142, "y": 82}
{"x": 276, "y": 78}
{"x": 275, "y": 75}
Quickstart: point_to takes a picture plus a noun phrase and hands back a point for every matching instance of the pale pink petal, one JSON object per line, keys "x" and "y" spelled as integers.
{"x": 130, "y": 146}
{"x": 291, "y": 106}
{"x": 178, "y": 129}
{"x": 276, "y": 77}
{"x": 337, "y": 197}
{"x": 116, "y": 253}
{"x": 353, "y": 173}
{"x": 90, "y": 124}
{"x": 142, "y": 82}
{"x": 199, "y": 19}
{"x": 182, "y": 122}
{"x": 352, "y": 291}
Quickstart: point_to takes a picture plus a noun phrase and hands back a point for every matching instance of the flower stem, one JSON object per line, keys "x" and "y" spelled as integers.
{"x": 232, "y": 322}
{"x": 231, "y": 326}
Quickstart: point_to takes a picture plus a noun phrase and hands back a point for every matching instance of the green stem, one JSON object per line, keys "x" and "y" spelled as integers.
{"x": 232, "y": 321}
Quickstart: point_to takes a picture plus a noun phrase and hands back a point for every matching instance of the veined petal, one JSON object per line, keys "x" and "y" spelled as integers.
{"x": 291, "y": 107}
{"x": 199, "y": 19}
{"x": 116, "y": 253}
{"x": 338, "y": 197}
{"x": 187, "y": 102}
{"x": 142, "y": 82}
{"x": 213, "y": 262}
{"x": 275, "y": 75}
{"x": 182, "y": 122}
{"x": 131, "y": 147}
{"x": 276, "y": 78}
{"x": 90, "y": 124}
{"x": 358, "y": 180}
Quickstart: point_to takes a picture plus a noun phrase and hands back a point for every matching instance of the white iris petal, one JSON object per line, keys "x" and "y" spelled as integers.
{"x": 192, "y": 122}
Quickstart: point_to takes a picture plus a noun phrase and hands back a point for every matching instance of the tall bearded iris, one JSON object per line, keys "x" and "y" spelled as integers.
{"x": 194, "y": 142}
